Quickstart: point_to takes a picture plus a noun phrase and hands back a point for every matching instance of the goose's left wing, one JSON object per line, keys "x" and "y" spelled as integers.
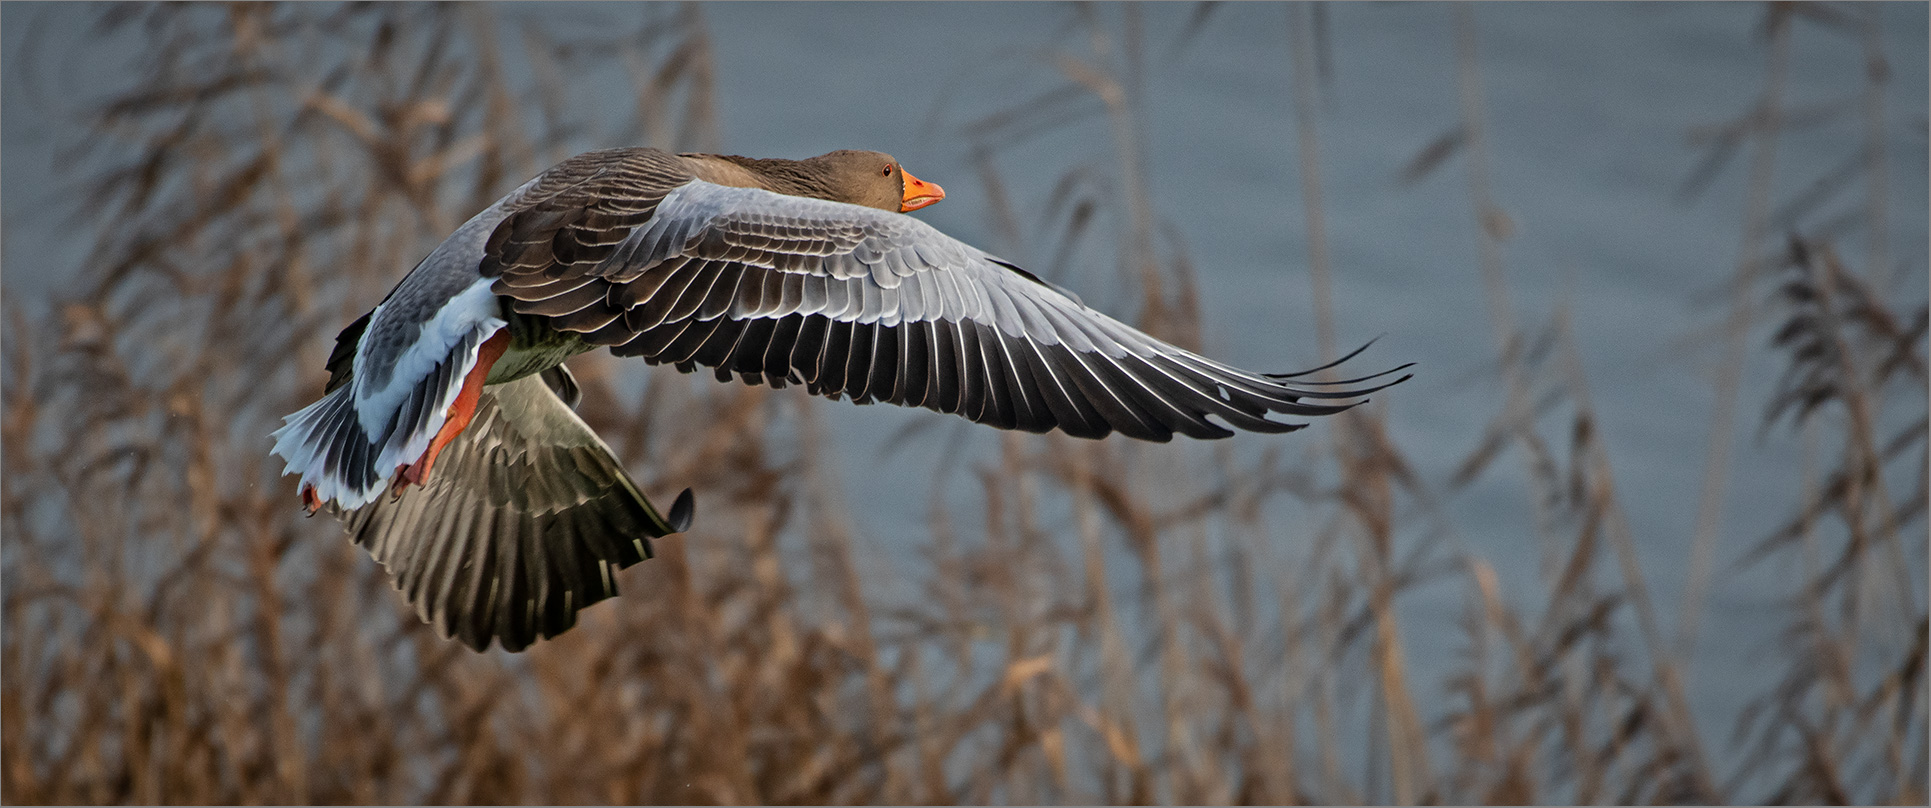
{"x": 525, "y": 522}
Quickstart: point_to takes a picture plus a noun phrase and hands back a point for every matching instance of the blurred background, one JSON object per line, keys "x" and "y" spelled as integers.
{"x": 1648, "y": 525}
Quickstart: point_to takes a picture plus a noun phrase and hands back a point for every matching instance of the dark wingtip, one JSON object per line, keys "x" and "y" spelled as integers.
{"x": 681, "y": 512}
{"x": 1356, "y": 380}
{"x": 1311, "y": 371}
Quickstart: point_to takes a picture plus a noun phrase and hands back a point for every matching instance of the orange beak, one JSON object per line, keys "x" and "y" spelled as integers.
{"x": 918, "y": 192}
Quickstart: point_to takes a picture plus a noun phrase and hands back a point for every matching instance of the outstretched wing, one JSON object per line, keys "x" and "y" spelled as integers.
{"x": 865, "y": 304}
{"x": 523, "y": 524}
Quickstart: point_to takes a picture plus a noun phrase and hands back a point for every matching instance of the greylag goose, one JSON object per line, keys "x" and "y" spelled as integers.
{"x": 505, "y": 514}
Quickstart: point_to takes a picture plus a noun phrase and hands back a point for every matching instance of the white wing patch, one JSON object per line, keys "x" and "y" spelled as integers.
{"x": 474, "y": 311}
{"x": 347, "y": 445}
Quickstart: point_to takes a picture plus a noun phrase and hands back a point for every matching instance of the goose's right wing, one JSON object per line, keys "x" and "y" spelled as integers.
{"x": 867, "y": 304}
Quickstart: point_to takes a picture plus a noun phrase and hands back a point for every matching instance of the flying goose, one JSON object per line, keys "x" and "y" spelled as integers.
{"x": 506, "y": 514}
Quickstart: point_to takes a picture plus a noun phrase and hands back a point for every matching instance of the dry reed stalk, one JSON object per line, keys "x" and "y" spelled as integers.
{"x": 1307, "y": 146}
{"x": 1766, "y": 123}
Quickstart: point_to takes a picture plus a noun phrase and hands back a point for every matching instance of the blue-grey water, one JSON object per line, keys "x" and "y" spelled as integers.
{"x": 1588, "y": 112}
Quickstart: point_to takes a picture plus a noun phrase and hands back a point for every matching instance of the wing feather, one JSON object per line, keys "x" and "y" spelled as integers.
{"x": 858, "y": 364}
{"x": 718, "y": 346}
{"x": 723, "y": 292}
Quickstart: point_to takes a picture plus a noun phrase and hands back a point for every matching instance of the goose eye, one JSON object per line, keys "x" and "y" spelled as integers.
{"x": 888, "y": 170}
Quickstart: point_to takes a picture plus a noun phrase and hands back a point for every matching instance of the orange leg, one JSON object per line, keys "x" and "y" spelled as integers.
{"x": 310, "y": 502}
{"x": 460, "y": 412}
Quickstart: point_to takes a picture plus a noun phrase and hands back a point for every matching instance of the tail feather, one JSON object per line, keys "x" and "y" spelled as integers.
{"x": 320, "y": 443}
{"x": 329, "y": 445}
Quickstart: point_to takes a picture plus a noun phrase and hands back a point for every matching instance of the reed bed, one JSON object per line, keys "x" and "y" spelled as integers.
{"x": 1108, "y": 622}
